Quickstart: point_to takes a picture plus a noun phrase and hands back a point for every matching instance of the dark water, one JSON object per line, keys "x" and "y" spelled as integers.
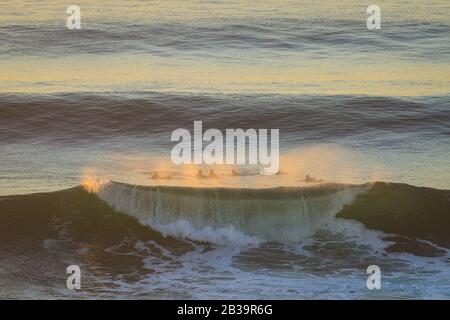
{"x": 301, "y": 118}
{"x": 284, "y": 37}
{"x": 119, "y": 257}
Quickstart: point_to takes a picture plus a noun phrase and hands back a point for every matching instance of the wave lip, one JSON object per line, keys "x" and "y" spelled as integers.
{"x": 231, "y": 215}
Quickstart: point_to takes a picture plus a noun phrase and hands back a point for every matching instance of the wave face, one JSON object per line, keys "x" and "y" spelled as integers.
{"x": 403, "y": 209}
{"x": 237, "y": 216}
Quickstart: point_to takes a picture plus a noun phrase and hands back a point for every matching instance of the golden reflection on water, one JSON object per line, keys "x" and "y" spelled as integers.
{"x": 148, "y": 73}
{"x": 370, "y": 74}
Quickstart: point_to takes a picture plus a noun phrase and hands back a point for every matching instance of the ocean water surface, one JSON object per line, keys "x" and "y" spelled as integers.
{"x": 85, "y": 122}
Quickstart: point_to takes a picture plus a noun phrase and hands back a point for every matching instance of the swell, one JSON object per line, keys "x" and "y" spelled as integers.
{"x": 277, "y": 37}
{"x": 71, "y": 118}
{"x": 41, "y": 234}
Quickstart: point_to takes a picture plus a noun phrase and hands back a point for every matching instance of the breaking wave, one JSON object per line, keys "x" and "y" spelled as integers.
{"x": 231, "y": 215}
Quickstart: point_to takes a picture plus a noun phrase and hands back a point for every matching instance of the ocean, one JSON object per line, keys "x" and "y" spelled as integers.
{"x": 86, "y": 118}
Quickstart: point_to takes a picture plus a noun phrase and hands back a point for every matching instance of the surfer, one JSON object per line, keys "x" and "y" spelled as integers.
{"x": 212, "y": 174}
{"x": 156, "y": 176}
{"x": 309, "y": 179}
{"x": 234, "y": 173}
{"x": 200, "y": 174}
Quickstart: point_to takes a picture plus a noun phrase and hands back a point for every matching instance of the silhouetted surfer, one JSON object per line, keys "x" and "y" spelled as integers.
{"x": 200, "y": 174}
{"x": 212, "y": 174}
{"x": 308, "y": 179}
{"x": 156, "y": 176}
